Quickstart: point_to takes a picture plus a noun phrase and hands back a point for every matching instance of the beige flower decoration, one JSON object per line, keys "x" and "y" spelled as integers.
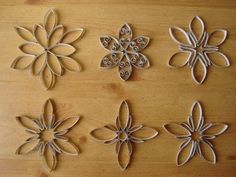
{"x": 48, "y": 136}
{"x": 198, "y": 49}
{"x": 124, "y": 134}
{"x": 196, "y": 136}
{"x": 48, "y": 49}
{"x": 125, "y": 52}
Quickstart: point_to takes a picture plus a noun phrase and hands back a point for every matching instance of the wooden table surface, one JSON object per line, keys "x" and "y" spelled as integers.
{"x": 157, "y": 95}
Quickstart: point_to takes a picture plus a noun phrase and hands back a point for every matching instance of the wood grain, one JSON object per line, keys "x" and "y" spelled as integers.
{"x": 157, "y": 95}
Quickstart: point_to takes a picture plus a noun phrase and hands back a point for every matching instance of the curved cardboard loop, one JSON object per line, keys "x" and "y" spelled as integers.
{"x": 125, "y": 69}
{"x": 34, "y": 137}
{"x": 124, "y": 118}
{"x": 145, "y": 133}
{"x": 138, "y": 60}
{"x": 69, "y": 63}
{"x": 185, "y": 152}
{"x": 50, "y": 20}
{"x": 187, "y": 126}
{"x": 135, "y": 128}
{"x": 217, "y": 37}
{"x": 139, "y": 43}
{"x": 49, "y": 157}
{"x": 179, "y": 36}
{"x": 205, "y": 126}
{"x": 41, "y": 35}
{"x": 55, "y": 147}
{"x": 207, "y": 140}
{"x": 218, "y": 59}
{"x": 55, "y": 36}
{"x": 31, "y": 48}
{"x": 72, "y": 35}
{"x": 28, "y": 123}
{"x": 48, "y": 113}
{"x": 42, "y": 122}
{"x": 54, "y": 64}
{"x": 111, "y": 141}
{"x": 28, "y": 146}
{"x": 110, "y": 43}
{"x": 39, "y": 64}
{"x": 196, "y": 116}
{"x": 125, "y": 35}
{"x": 197, "y": 28}
{"x": 185, "y": 142}
{"x": 111, "y": 127}
{"x": 111, "y": 60}
{"x": 22, "y": 62}
{"x": 24, "y": 33}
{"x": 63, "y": 49}
{"x": 48, "y": 44}
{"x": 207, "y": 152}
{"x": 61, "y": 133}
{"x": 103, "y": 134}
{"x": 215, "y": 129}
{"x": 124, "y": 154}
{"x": 124, "y": 52}
{"x": 192, "y": 59}
{"x": 47, "y": 78}
{"x": 67, "y": 147}
{"x": 39, "y": 123}
{"x": 136, "y": 140}
{"x": 199, "y": 72}
{"x": 66, "y": 124}
{"x": 61, "y": 137}
{"x": 177, "y": 130}
{"x": 179, "y": 59}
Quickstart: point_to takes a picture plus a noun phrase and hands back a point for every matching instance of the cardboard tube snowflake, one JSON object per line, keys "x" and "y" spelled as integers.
{"x": 48, "y": 136}
{"x": 198, "y": 49}
{"x": 124, "y": 134}
{"x": 48, "y": 49}
{"x": 196, "y": 136}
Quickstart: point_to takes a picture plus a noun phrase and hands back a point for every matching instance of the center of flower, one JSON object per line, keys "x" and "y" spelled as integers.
{"x": 199, "y": 48}
{"x": 123, "y": 136}
{"x": 196, "y": 136}
{"x": 47, "y": 135}
{"x": 124, "y": 52}
{"x": 46, "y": 50}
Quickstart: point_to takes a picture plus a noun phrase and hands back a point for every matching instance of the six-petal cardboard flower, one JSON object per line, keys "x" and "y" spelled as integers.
{"x": 125, "y": 52}
{"x": 199, "y": 48}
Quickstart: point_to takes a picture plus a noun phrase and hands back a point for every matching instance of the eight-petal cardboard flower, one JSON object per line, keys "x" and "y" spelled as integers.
{"x": 198, "y": 49}
{"x": 196, "y": 136}
{"x": 47, "y": 49}
{"x": 48, "y": 136}
{"x": 125, "y": 52}
{"x": 124, "y": 134}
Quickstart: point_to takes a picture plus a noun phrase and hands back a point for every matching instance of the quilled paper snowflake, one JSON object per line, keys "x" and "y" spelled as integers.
{"x": 48, "y": 136}
{"x": 201, "y": 48}
{"x": 196, "y": 136}
{"x": 124, "y": 52}
{"x": 48, "y": 49}
{"x": 124, "y": 134}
